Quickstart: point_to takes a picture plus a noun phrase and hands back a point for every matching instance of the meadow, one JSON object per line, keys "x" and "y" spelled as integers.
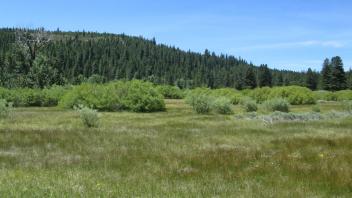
{"x": 48, "y": 152}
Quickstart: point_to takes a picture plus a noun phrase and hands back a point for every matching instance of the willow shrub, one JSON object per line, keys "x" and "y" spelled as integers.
{"x": 170, "y": 92}
{"x": 325, "y": 95}
{"x": 249, "y": 105}
{"x": 133, "y": 95}
{"x": 25, "y": 97}
{"x": 233, "y": 95}
{"x": 201, "y": 103}
{"x": 344, "y": 95}
{"x": 89, "y": 117}
{"x": 260, "y": 94}
{"x": 5, "y": 108}
{"x": 276, "y": 104}
{"x": 295, "y": 95}
{"x": 223, "y": 105}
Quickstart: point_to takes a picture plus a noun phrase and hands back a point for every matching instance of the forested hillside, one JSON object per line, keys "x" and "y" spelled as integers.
{"x": 37, "y": 58}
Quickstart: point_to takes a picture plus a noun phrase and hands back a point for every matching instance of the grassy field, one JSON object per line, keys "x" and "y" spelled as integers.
{"x": 47, "y": 152}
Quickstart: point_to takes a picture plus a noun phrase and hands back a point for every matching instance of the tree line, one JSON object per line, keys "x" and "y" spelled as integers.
{"x": 40, "y": 58}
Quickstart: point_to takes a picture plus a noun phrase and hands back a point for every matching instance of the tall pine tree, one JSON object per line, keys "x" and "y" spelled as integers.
{"x": 311, "y": 80}
{"x": 326, "y": 75}
{"x": 280, "y": 80}
{"x": 349, "y": 79}
{"x": 265, "y": 76}
{"x": 338, "y": 74}
{"x": 250, "y": 80}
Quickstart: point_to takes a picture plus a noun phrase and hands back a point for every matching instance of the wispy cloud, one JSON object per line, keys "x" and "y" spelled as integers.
{"x": 300, "y": 44}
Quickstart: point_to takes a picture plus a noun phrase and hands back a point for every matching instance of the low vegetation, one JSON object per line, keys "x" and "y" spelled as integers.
{"x": 249, "y": 105}
{"x": 201, "y": 103}
{"x": 277, "y": 104}
{"x": 5, "y": 108}
{"x": 25, "y": 97}
{"x": 171, "y": 92}
{"x": 89, "y": 117}
{"x": 295, "y": 95}
{"x": 223, "y": 105}
{"x": 133, "y": 95}
{"x": 176, "y": 153}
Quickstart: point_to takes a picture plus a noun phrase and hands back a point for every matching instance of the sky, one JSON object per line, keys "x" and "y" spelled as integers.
{"x": 285, "y": 34}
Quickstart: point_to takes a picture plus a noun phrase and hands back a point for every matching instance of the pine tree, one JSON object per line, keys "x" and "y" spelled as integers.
{"x": 349, "y": 79}
{"x": 250, "y": 80}
{"x": 326, "y": 74}
{"x": 338, "y": 74}
{"x": 311, "y": 80}
{"x": 280, "y": 80}
{"x": 265, "y": 76}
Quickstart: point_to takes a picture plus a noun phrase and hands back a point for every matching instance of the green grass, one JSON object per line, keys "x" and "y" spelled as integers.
{"x": 47, "y": 152}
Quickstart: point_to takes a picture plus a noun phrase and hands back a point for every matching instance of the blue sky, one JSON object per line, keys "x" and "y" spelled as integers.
{"x": 286, "y": 34}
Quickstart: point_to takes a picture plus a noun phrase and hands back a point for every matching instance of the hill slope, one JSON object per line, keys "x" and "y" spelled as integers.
{"x": 71, "y": 57}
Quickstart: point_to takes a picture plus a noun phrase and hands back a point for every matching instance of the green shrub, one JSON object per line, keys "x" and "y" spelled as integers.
{"x": 25, "y": 97}
{"x": 347, "y": 105}
{"x": 170, "y": 92}
{"x": 260, "y": 94}
{"x": 5, "y": 108}
{"x": 249, "y": 105}
{"x": 325, "y": 95}
{"x": 233, "y": 95}
{"x": 223, "y": 105}
{"x": 51, "y": 96}
{"x": 142, "y": 97}
{"x": 295, "y": 95}
{"x": 133, "y": 95}
{"x": 316, "y": 108}
{"x": 89, "y": 117}
{"x": 344, "y": 95}
{"x": 201, "y": 103}
{"x": 277, "y": 104}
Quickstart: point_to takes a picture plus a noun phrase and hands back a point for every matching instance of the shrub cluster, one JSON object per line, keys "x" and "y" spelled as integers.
{"x": 325, "y": 95}
{"x": 276, "y": 104}
{"x": 295, "y": 95}
{"x": 89, "y": 117}
{"x": 203, "y": 102}
{"x": 5, "y": 108}
{"x": 233, "y": 95}
{"x": 316, "y": 108}
{"x": 249, "y": 105}
{"x": 348, "y": 106}
{"x": 333, "y": 96}
{"x": 344, "y": 95}
{"x": 170, "y": 92}
{"x": 25, "y": 97}
{"x": 260, "y": 94}
{"x": 133, "y": 95}
{"x": 223, "y": 105}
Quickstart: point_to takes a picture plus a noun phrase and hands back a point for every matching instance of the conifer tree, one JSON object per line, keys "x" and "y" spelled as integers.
{"x": 280, "y": 80}
{"x": 265, "y": 77}
{"x": 349, "y": 79}
{"x": 338, "y": 78}
{"x": 250, "y": 80}
{"x": 326, "y": 75}
{"x": 311, "y": 80}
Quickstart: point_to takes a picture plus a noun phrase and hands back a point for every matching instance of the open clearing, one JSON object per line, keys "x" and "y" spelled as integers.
{"x": 47, "y": 152}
